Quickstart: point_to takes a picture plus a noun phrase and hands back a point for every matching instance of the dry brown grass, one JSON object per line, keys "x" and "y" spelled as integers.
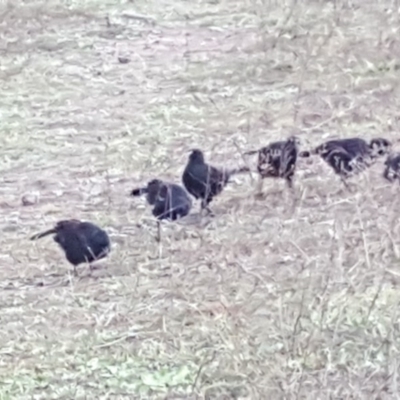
{"x": 263, "y": 302}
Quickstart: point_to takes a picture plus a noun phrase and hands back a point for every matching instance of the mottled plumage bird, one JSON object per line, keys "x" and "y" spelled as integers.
{"x": 170, "y": 200}
{"x": 349, "y": 157}
{"x": 277, "y": 160}
{"x": 81, "y": 241}
{"x": 392, "y": 168}
{"x": 203, "y": 181}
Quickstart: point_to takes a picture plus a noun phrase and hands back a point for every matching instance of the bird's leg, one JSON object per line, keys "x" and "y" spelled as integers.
{"x": 75, "y": 271}
{"x": 260, "y": 184}
{"x": 201, "y": 207}
{"x": 289, "y": 181}
{"x": 259, "y": 188}
{"x": 158, "y": 236}
{"x": 294, "y": 194}
{"x": 91, "y": 268}
{"x": 347, "y": 186}
{"x": 210, "y": 212}
{"x": 204, "y": 206}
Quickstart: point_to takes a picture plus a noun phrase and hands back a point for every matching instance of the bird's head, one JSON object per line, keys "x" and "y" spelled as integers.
{"x": 322, "y": 150}
{"x": 380, "y": 146}
{"x": 196, "y": 156}
{"x": 155, "y": 190}
{"x": 295, "y": 140}
{"x": 154, "y": 184}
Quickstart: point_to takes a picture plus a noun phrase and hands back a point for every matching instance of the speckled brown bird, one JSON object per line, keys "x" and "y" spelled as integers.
{"x": 392, "y": 167}
{"x": 82, "y": 242}
{"x": 277, "y": 160}
{"x": 351, "y": 156}
{"x": 204, "y": 181}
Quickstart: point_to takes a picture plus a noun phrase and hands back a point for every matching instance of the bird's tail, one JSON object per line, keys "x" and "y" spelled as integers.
{"x": 288, "y": 157}
{"x": 42, "y": 234}
{"x": 251, "y": 152}
{"x": 139, "y": 191}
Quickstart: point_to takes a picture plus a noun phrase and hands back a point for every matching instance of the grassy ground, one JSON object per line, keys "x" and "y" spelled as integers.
{"x": 263, "y": 302}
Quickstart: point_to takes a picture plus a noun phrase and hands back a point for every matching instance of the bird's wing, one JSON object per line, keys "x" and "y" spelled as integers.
{"x": 91, "y": 234}
{"x": 353, "y": 147}
{"x": 218, "y": 177}
{"x": 393, "y": 162}
{"x": 272, "y": 153}
{"x": 338, "y": 148}
{"x": 206, "y": 174}
{"x": 171, "y": 200}
{"x": 287, "y": 159}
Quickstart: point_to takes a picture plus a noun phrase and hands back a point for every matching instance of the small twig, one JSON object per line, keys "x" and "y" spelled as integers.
{"x": 115, "y": 341}
{"x": 257, "y": 276}
{"x": 301, "y": 83}
{"x": 108, "y": 179}
{"x": 297, "y": 322}
{"x": 364, "y": 237}
{"x": 244, "y": 159}
{"x": 139, "y": 17}
{"x": 214, "y": 103}
{"x": 285, "y": 22}
{"x": 202, "y": 365}
{"x": 158, "y": 236}
{"x": 306, "y": 62}
{"x": 305, "y": 255}
{"x": 373, "y": 302}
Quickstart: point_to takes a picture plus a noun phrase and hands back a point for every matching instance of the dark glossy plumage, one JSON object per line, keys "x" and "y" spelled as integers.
{"x": 170, "y": 200}
{"x": 278, "y": 159}
{"x": 81, "y": 241}
{"x": 351, "y": 156}
{"x": 203, "y": 181}
{"x": 392, "y": 168}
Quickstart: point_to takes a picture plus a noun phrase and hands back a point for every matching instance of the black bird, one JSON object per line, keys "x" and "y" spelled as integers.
{"x": 203, "y": 181}
{"x": 170, "y": 200}
{"x": 81, "y": 241}
{"x": 278, "y": 160}
{"x": 392, "y": 168}
{"x": 349, "y": 157}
